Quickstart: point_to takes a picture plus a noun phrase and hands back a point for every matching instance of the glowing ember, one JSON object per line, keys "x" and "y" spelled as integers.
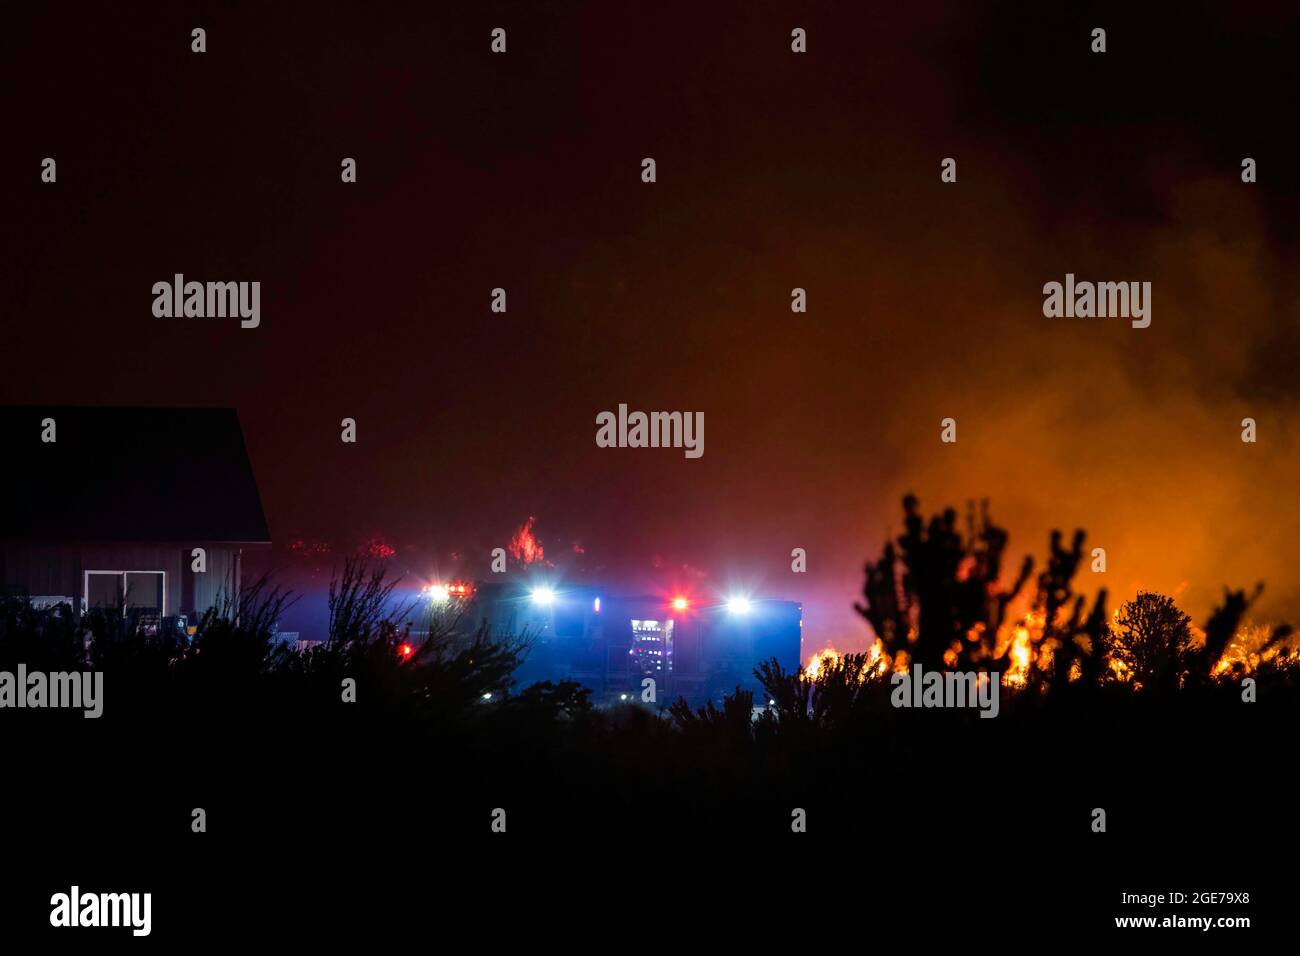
{"x": 950, "y": 655}
{"x": 377, "y": 548}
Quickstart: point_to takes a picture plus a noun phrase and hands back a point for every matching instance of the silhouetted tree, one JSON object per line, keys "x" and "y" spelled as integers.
{"x": 1152, "y": 639}
{"x": 950, "y": 598}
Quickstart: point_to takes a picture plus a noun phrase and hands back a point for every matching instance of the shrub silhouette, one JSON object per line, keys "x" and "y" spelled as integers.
{"x": 949, "y": 598}
{"x": 446, "y": 721}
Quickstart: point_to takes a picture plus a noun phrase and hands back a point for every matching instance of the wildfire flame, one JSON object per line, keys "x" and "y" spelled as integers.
{"x": 1021, "y": 640}
{"x": 1248, "y": 649}
{"x": 877, "y": 661}
{"x": 828, "y": 655}
{"x": 524, "y": 546}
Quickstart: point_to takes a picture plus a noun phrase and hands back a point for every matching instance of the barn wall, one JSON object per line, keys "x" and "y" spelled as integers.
{"x": 35, "y": 569}
{"x": 137, "y": 557}
{"x": 210, "y": 588}
{"x": 58, "y": 569}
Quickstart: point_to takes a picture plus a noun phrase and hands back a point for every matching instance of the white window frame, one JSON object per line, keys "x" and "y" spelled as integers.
{"x": 85, "y": 585}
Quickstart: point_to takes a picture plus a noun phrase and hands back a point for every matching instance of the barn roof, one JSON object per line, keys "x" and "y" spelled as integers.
{"x": 132, "y": 474}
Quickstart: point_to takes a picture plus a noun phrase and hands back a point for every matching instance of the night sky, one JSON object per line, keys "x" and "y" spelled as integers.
{"x": 775, "y": 171}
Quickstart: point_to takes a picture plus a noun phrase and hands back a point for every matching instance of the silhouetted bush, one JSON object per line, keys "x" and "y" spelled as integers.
{"x": 1151, "y": 640}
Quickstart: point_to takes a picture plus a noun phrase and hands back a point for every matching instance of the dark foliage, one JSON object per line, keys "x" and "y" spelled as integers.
{"x": 442, "y": 723}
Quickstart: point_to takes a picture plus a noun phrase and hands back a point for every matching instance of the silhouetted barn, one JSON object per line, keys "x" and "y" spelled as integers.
{"x": 106, "y": 505}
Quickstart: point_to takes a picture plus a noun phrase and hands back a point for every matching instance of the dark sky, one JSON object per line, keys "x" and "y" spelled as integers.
{"x": 774, "y": 171}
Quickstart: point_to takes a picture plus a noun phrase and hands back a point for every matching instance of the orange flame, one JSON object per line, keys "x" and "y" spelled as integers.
{"x": 828, "y": 655}
{"x": 877, "y": 661}
{"x": 524, "y": 546}
{"x": 1021, "y": 638}
{"x": 1247, "y": 650}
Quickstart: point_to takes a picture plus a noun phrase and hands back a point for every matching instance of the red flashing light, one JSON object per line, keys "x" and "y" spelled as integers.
{"x": 406, "y": 650}
{"x": 680, "y": 603}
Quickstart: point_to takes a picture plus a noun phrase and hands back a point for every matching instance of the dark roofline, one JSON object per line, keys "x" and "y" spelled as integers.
{"x": 129, "y": 473}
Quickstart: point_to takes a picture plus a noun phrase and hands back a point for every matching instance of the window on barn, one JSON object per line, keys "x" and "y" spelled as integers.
{"x": 103, "y": 589}
{"x": 141, "y": 591}
{"x": 144, "y": 592}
